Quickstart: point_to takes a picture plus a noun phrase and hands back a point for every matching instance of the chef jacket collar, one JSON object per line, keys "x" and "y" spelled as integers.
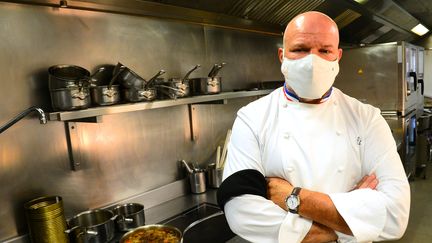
{"x": 290, "y": 96}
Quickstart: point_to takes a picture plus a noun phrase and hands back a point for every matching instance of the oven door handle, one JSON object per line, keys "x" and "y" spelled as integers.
{"x": 413, "y": 74}
{"x": 421, "y": 81}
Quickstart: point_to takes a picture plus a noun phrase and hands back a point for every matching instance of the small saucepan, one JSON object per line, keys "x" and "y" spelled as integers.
{"x": 106, "y": 94}
{"x": 67, "y": 76}
{"x": 208, "y": 85}
{"x": 71, "y": 98}
{"x": 127, "y": 78}
{"x": 96, "y": 226}
{"x": 129, "y": 216}
{"x": 177, "y": 87}
{"x": 145, "y": 92}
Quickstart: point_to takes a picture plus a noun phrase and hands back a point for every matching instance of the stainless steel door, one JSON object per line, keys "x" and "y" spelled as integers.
{"x": 381, "y": 75}
{"x": 410, "y": 141}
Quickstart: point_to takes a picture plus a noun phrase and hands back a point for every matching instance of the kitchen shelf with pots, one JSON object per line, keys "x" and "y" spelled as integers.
{"x": 91, "y": 114}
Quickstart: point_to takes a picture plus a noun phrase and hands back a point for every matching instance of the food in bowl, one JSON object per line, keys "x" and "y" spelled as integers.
{"x": 152, "y": 234}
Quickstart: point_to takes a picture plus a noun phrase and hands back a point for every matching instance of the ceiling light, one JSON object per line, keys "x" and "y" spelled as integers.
{"x": 420, "y": 29}
{"x": 361, "y": 1}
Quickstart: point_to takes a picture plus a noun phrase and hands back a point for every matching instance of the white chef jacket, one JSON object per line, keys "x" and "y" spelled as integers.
{"x": 327, "y": 148}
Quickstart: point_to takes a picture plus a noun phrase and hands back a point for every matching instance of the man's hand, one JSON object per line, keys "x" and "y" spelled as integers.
{"x": 368, "y": 181}
{"x": 277, "y": 191}
{"x": 315, "y": 205}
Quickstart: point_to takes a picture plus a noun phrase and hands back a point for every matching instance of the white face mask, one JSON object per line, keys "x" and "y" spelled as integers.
{"x": 311, "y": 76}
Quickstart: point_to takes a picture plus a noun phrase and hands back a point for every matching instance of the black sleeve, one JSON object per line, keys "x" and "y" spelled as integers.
{"x": 242, "y": 182}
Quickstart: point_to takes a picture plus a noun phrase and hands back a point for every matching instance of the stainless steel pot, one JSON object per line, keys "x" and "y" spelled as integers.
{"x": 65, "y": 76}
{"x": 137, "y": 95}
{"x": 203, "y": 86}
{"x": 129, "y": 216}
{"x": 105, "y": 95}
{"x": 95, "y": 226}
{"x": 72, "y": 98}
{"x": 127, "y": 78}
{"x": 155, "y": 232}
{"x": 174, "y": 89}
{"x": 177, "y": 87}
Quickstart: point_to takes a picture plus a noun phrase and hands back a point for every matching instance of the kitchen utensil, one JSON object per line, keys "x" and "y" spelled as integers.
{"x": 176, "y": 87}
{"x": 216, "y": 70}
{"x": 151, "y": 80}
{"x": 106, "y": 94}
{"x": 103, "y": 75}
{"x": 153, "y": 233}
{"x": 212, "y": 70}
{"x": 128, "y": 78}
{"x": 65, "y": 76}
{"x": 186, "y": 77}
{"x": 225, "y": 148}
{"x": 208, "y": 85}
{"x": 166, "y": 91}
{"x": 218, "y": 156}
{"x": 137, "y": 95}
{"x": 197, "y": 178}
{"x": 129, "y": 216}
{"x": 204, "y": 86}
{"x": 46, "y": 220}
{"x": 214, "y": 175}
{"x": 96, "y": 226}
{"x": 72, "y": 98}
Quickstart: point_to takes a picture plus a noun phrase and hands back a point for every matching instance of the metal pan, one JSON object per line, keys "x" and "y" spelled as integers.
{"x": 159, "y": 233}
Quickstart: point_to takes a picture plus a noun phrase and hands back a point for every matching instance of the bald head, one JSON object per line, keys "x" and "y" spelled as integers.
{"x": 312, "y": 32}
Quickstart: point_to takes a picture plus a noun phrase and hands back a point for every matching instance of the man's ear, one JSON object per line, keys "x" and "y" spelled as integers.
{"x": 340, "y": 54}
{"x": 280, "y": 54}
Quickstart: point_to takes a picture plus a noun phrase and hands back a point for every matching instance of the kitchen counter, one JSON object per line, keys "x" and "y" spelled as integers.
{"x": 165, "y": 211}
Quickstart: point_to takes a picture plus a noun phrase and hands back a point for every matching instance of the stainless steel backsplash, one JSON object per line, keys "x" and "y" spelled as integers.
{"x": 128, "y": 153}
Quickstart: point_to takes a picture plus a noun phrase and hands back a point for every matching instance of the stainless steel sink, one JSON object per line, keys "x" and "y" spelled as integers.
{"x": 203, "y": 223}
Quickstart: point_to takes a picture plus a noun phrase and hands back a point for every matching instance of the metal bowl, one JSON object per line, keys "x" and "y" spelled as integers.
{"x": 156, "y": 231}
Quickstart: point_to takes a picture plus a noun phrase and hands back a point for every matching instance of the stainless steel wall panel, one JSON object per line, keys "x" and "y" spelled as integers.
{"x": 246, "y": 56}
{"x": 128, "y": 153}
{"x": 360, "y": 76}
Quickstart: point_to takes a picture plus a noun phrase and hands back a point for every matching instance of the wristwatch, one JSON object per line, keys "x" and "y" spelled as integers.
{"x": 293, "y": 200}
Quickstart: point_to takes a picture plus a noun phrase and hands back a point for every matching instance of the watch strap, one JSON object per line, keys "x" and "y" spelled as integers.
{"x": 295, "y": 193}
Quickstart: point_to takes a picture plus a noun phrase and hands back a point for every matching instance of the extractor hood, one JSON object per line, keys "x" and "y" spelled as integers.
{"x": 359, "y": 21}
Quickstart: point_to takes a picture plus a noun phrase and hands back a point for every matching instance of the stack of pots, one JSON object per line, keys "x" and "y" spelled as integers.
{"x": 104, "y": 92}
{"x": 69, "y": 87}
{"x": 135, "y": 88}
{"x": 176, "y": 87}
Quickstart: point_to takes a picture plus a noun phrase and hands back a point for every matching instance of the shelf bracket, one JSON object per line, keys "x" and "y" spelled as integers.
{"x": 92, "y": 119}
{"x": 73, "y": 145}
{"x": 193, "y": 122}
{"x": 213, "y": 102}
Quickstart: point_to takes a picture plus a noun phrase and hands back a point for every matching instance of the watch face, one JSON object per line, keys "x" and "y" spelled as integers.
{"x": 292, "y": 202}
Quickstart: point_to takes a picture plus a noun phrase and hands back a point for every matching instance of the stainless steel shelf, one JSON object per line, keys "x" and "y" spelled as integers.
{"x": 107, "y": 110}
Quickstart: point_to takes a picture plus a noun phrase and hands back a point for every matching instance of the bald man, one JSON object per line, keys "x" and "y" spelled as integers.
{"x": 308, "y": 163}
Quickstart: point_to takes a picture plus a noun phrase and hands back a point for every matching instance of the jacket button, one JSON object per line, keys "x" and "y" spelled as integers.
{"x": 284, "y": 105}
{"x": 338, "y": 133}
{"x": 287, "y": 135}
{"x": 340, "y": 169}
